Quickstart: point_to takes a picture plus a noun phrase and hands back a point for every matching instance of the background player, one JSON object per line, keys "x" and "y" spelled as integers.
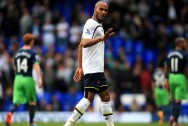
{"x": 160, "y": 94}
{"x": 91, "y": 59}
{"x": 176, "y": 66}
{"x": 25, "y": 60}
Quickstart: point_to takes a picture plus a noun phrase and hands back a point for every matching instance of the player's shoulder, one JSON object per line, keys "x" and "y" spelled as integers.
{"x": 178, "y": 53}
{"x": 91, "y": 20}
{"x": 18, "y": 51}
{"x": 91, "y": 23}
{"x": 32, "y": 51}
{"x": 183, "y": 53}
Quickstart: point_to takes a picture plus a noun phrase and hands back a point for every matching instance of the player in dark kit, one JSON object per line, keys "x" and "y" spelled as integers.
{"x": 25, "y": 60}
{"x": 177, "y": 68}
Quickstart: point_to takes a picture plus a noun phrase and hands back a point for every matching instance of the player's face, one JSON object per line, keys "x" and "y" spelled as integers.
{"x": 101, "y": 12}
{"x": 32, "y": 42}
{"x": 184, "y": 45}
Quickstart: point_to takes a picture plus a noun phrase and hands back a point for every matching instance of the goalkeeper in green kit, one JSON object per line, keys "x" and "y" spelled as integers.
{"x": 25, "y": 60}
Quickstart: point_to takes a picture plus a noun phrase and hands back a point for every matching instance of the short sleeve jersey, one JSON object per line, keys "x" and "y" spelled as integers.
{"x": 24, "y": 60}
{"x": 93, "y": 56}
{"x": 159, "y": 77}
{"x": 177, "y": 61}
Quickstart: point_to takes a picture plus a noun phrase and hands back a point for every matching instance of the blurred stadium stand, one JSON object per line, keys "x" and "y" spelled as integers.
{"x": 145, "y": 32}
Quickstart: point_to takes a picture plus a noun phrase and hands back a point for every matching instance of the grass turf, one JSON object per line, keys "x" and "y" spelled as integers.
{"x": 91, "y": 124}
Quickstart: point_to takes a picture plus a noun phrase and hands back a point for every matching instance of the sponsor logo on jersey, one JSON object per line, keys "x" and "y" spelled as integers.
{"x": 88, "y": 31}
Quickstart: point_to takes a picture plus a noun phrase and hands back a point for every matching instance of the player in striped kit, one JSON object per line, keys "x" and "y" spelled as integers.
{"x": 160, "y": 93}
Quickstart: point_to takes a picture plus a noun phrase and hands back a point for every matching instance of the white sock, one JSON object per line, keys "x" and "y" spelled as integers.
{"x": 79, "y": 110}
{"x": 107, "y": 113}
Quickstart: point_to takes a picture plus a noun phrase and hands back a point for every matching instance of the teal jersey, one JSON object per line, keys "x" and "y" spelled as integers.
{"x": 24, "y": 60}
{"x": 177, "y": 61}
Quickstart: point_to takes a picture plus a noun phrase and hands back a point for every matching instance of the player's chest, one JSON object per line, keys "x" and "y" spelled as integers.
{"x": 99, "y": 32}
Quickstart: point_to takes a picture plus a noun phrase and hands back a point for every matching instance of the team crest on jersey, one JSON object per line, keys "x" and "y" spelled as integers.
{"x": 88, "y": 31}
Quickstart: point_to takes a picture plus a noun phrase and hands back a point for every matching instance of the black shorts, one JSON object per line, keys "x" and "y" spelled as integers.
{"x": 95, "y": 82}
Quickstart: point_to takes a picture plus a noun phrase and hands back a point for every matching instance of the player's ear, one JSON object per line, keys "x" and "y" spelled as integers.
{"x": 95, "y": 8}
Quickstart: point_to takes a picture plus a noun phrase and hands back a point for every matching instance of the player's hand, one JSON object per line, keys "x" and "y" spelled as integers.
{"x": 78, "y": 74}
{"x": 108, "y": 33}
{"x": 165, "y": 85}
{"x": 40, "y": 83}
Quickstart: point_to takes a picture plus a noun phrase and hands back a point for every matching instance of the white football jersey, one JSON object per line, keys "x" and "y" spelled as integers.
{"x": 93, "y": 56}
{"x": 159, "y": 77}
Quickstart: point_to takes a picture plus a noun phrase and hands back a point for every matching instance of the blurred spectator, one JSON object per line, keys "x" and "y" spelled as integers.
{"x": 25, "y": 22}
{"x": 42, "y": 105}
{"x": 143, "y": 9}
{"x": 62, "y": 32}
{"x": 14, "y": 45}
{"x": 37, "y": 9}
{"x": 49, "y": 76}
{"x": 1, "y": 21}
{"x": 48, "y": 33}
{"x": 145, "y": 80}
{"x": 47, "y": 15}
{"x": 75, "y": 35}
{"x": 36, "y": 28}
{"x": 1, "y": 95}
{"x": 3, "y": 3}
{"x": 10, "y": 25}
{"x": 55, "y": 103}
{"x": 171, "y": 11}
{"x": 134, "y": 106}
{"x": 5, "y": 64}
{"x": 60, "y": 73}
{"x": 157, "y": 12}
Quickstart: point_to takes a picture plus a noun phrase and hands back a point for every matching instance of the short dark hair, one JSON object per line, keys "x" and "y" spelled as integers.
{"x": 179, "y": 40}
{"x": 27, "y": 38}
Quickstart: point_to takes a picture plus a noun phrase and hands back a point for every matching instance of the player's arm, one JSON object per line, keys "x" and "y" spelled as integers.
{"x": 14, "y": 64}
{"x": 36, "y": 67}
{"x": 153, "y": 82}
{"x": 78, "y": 74}
{"x": 186, "y": 71}
{"x": 80, "y": 55}
{"x": 153, "y": 85}
{"x": 186, "y": 68}
{"x": 90, "y": 42}
{"x": 166, "y": 76}
{"x": 166, "y": 70}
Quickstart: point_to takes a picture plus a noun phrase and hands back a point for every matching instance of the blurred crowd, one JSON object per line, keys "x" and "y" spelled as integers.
{"x": 145, "y": 32}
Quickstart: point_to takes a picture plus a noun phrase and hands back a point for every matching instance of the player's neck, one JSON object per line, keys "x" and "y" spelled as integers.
{"x": 26, "y": 47}
{"x": 177, "y": 48}
{"x": 94, "y": 18}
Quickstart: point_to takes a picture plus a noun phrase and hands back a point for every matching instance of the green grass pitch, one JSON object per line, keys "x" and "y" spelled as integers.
{"x": 92, "y": 124}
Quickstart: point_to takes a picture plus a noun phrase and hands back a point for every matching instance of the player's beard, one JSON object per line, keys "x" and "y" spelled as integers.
{"x": 184, "y": 48}
{"x": 100, "y": 18}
